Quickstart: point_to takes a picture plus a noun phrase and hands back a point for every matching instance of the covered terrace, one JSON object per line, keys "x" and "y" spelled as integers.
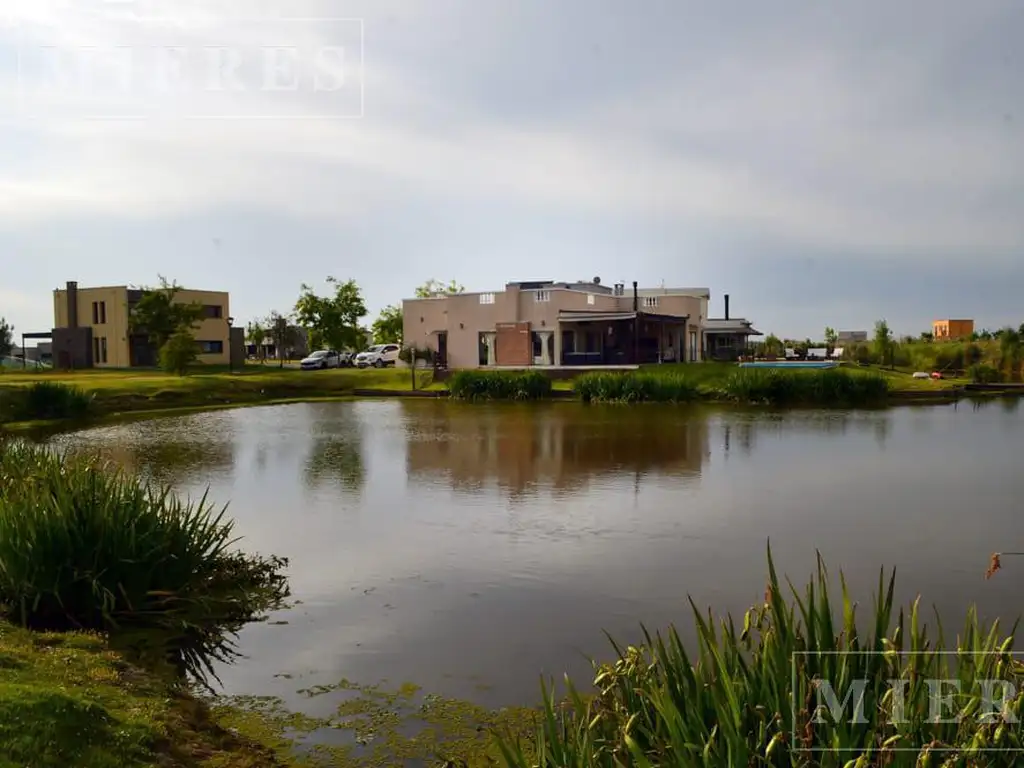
{"x": 591, "y": 338}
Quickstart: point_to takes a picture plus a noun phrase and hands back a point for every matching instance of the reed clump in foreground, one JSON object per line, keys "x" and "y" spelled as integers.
{"x": 758, "y": 695}
{"x": 599, "y": 387}
{"x": 499, "y": 385}
{"x": 84, "y": 545}
{"x": 834, "y": 386}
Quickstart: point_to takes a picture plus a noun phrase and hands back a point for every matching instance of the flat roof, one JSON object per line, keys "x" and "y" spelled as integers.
{"x": 586, "y": 316}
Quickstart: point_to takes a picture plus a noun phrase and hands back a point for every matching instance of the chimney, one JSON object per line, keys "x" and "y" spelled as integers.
{"x": 72, "y": 303}
{"x": 636, "y": 298}
{"x": 727, "y": 306}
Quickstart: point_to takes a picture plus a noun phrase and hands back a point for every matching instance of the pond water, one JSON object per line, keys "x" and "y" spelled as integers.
{"x": 471, "y": 548}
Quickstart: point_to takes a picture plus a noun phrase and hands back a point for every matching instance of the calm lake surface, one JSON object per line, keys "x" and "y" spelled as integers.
{"x": 471, "y": 548}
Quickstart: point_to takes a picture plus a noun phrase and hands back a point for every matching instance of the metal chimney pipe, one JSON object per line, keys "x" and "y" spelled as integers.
{"x": 636, "y": 298}
{"x": 727, "y": 306}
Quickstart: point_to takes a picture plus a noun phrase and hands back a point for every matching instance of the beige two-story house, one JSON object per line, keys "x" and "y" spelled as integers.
{"x": 554, "y": 324}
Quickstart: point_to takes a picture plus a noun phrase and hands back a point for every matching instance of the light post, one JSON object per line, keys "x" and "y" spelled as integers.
{"x": 231, "y": 350}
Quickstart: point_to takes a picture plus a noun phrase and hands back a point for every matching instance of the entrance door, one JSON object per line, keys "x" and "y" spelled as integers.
{"x": 442, "y": 349}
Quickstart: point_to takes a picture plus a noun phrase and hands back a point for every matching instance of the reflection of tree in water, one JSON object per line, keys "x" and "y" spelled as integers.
{"x": 336, "y": 448}
{"x": 742, "y": 432}
{"x": 337, "y": 459}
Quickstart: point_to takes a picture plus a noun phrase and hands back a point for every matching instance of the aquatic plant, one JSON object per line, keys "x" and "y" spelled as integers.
{"x": 84, "y": 545}
{"x": 754, "y": 695}
{"x": 44, "y": 400}
{"x": 598, "y": 386}
{"x": 834, "y": 386}
{"x": 499, "y": 385}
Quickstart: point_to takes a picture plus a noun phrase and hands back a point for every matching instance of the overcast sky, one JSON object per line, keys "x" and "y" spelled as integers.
{"x": 823, "y": 163}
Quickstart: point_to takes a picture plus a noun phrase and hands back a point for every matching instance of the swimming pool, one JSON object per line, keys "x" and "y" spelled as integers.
{"x": 787, "y": 364}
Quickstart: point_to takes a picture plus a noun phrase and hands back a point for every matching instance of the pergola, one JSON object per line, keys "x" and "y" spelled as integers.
{"x": 40, "y": 336}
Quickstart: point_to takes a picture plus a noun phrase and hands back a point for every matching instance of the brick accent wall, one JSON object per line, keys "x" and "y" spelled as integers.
{"x": 513, "y": 344}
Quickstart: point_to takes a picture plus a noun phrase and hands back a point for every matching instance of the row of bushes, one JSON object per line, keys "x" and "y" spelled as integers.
{"x": 84, "y": 545}
{"x": 499, "y": 385}
{"x": 768, "y": 386}
{"x": 641, "y": 387}
{"x": 831, "y": 386}
{"x": 756, "y": 695}
{"x": 44, "y": 400}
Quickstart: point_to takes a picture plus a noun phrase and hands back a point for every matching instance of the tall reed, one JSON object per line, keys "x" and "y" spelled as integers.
{"x": 751, "y": 695}
{"x": 598, "y": 386}
{"x": 834, "y": 386}
{"x": 44, "y": 400}
{"x": 499, "y": 385}
{"x": 85, "y": 545}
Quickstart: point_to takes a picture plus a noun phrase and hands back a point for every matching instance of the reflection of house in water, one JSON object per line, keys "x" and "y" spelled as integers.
{"x": 559, "y": 447}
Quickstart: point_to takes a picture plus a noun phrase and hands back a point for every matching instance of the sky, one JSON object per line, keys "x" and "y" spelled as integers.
{"x": 824, "y": 164}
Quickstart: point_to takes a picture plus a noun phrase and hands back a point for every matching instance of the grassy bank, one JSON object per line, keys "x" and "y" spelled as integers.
{"x": 35, "y": 397}
{"x": 127, "y": 391}
{"x": 68, "y": 700}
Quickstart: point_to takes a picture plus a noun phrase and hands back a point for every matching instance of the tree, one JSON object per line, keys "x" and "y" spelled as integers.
{"x": 333, "y": 319}
{"x": 1010, "y": 350}
{"x": 883, "y": 342}
{"x": 179, "y": 352}
{"x": 831, "y": 338}
{"x": 281, "y": 333}
{"x": 1020, "y": 331}
{"x": 433, "y": 288}
{"x": 387, "y": 329}
{"x": 773, "y": 346}
{"x": 257, "y": 334}
{"x": 159, "y": 316}
{"x": 6, "y": 338}
{"x": 927, "y": 337}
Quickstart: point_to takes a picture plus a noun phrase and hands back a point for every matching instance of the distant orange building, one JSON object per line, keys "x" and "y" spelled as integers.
{"x": 952, "y": 329}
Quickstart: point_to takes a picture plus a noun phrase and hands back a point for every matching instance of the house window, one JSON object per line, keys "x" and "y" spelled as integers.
{"x": 99, "y": 313}
{"x": 590, "y": 299}
{"x": 650, "y": 302}
{"x": 693, "y": 346}
{"x": 214, "y": 311}
{"x": 99, "y": 349}
{"x": 541, "y": 296}
{"x": 486, "y": 298}
{"x": 211, "y": 347}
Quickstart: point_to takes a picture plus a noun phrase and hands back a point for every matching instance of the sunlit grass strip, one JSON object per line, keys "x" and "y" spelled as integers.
{"x": 86, "y": 546}
{"x": 741, "y": 701}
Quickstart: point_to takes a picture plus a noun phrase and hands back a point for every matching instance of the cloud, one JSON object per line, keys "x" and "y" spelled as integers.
{"x": 869, "y": 133}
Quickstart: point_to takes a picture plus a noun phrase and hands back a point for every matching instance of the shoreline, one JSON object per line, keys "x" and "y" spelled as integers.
{"x": 895, "y": 398}
{"x": 118, "y": 396}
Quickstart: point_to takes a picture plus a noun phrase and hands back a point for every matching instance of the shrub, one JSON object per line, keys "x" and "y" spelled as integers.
{"x": 598, "y": 386}
{"x": 981, "y": 373}
{"x": 84, "y": 545}
{"x": 179, "y": 352}
{"x": 832, "y": 386}
{"x": 46, "y": 400}
{"x": 499, "y": 385}
{"x": 744, "y": 694}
